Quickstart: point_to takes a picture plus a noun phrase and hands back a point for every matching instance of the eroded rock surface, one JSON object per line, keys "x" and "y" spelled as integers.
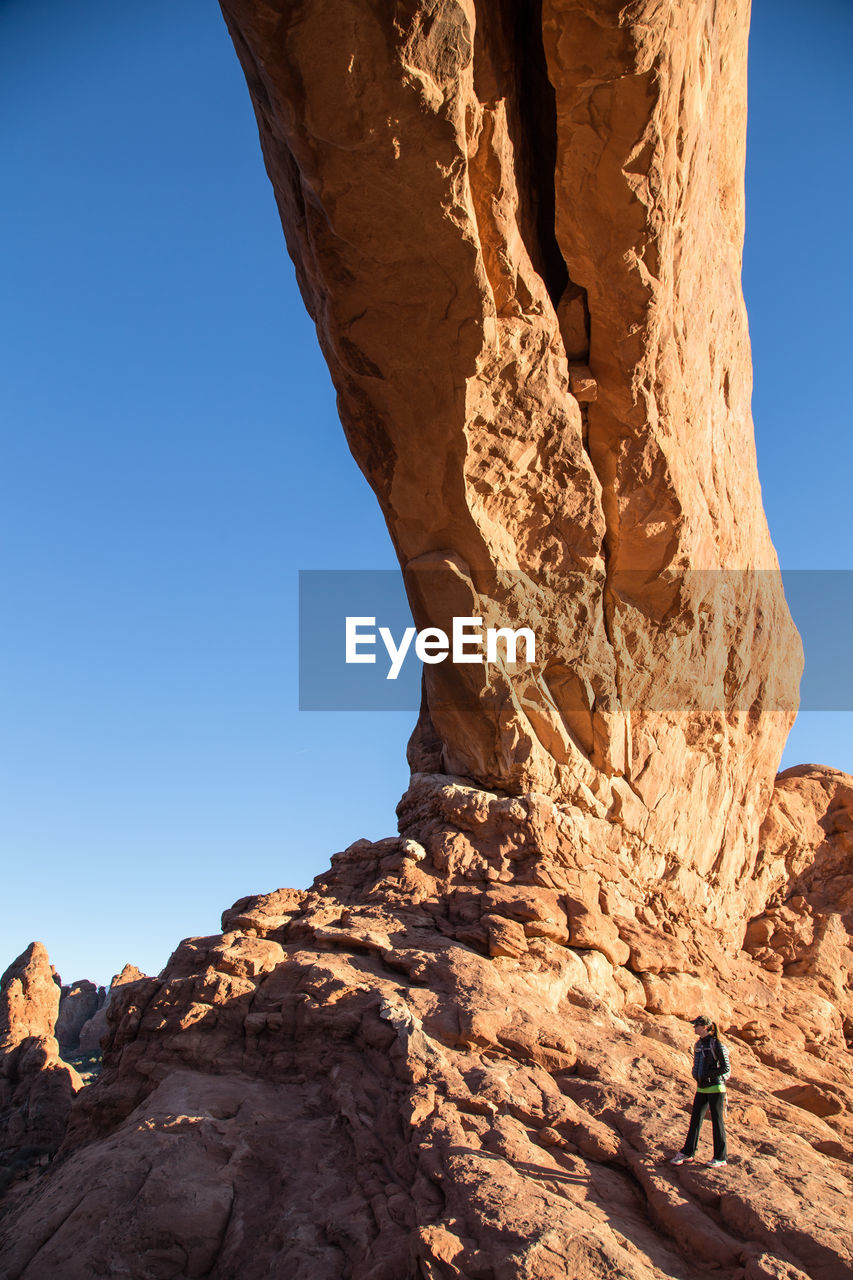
{"x": 78, "y": 1003}
{"x": 465, "y": 1054}
{"x": 518, "y": 229}
{"x": 96, "y": 1027}
{"x": 49, "y": 1050}
{"x": 36, "y": 1087}
{"x": 806, "y": 867}
{"x": 464, "y": 1051}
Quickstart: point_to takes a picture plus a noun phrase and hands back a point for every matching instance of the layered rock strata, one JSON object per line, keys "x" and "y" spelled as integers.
{"x": 806, "y": 868}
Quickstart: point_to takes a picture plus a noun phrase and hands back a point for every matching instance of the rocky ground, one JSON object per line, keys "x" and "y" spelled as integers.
{"x": 466, "y": 1055}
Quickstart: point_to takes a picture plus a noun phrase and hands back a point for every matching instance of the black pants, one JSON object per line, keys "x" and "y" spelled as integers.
{"x": 701, "y": 1103}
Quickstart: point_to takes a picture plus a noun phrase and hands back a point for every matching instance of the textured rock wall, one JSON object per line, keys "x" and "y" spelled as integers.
{"x": 94, "y": 1030}
{"x": 36, "y": 1087}
{"x": 518, "y": 229}
{"x": 78, "y": 1004}
{"x": 47, "y": 1032}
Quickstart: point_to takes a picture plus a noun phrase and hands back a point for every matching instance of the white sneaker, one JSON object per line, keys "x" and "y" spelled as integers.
{"x": 716, "y": 1164}
{"x": 680, "y": 1158}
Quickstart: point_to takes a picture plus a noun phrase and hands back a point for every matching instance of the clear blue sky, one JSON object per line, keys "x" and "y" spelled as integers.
{"x": 171, "y": 456}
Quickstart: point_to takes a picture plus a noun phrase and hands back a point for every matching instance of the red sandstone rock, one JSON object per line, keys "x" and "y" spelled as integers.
{"x": 36, "y": 1087}
{"x": 465, "y": 1051}
{"x": 805, "y": 932}
{"x": 354, "y": 1081}
{"x": 30, "y": 998}
{"x": 77, "y": 1004}
{"x": 95, "y": 1028}
{"x": 552, "y": 209}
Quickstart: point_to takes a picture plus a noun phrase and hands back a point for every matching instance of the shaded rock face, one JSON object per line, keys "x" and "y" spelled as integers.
{"x": 96, "y": 1027}
{"x": 463, "y": 1054}
{"x": 77, "y": 1004}
{"x": 518, "y": 229}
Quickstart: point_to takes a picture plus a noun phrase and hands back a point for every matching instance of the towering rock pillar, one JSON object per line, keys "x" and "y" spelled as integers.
{"x": 518, "y": 229}
{"x": 36, "y": 1087}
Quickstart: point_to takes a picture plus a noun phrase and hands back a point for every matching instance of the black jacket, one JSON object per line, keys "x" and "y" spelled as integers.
{"x": 710, "y": 1061}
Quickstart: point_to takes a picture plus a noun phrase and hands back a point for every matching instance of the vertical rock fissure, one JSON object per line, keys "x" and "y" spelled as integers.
{"x": 537, "y": 110}
{"x": 537, "y": 106}
{"x": 536, "y": 178}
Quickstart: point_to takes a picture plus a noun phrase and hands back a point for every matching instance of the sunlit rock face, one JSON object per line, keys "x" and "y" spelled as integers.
{"x": 519, "y": 234}
{"x": 36, "y": 1087}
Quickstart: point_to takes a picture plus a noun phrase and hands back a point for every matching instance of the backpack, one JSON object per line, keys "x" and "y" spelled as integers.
{"x": 712, "y": 1074}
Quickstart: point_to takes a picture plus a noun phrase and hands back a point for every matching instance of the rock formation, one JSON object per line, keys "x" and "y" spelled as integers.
{"x": 463, "y": 1052}
{"x": 520, "y": 236}
{"x": 50, "y": 1049}
{"x": 96, "y": 1027}
{"x": 78, "y": 1004}
{"x": 806, "y": 869}
{"x": 36, "y": 1087}
{"x": 464, "y": 1055}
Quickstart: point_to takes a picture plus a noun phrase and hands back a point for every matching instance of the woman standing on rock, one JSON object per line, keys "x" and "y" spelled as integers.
{"x": 711, "y": 1070}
